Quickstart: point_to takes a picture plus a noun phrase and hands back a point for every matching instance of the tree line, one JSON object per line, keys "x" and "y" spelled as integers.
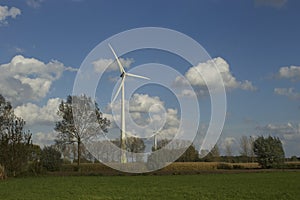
{"x": 18, "y": 154}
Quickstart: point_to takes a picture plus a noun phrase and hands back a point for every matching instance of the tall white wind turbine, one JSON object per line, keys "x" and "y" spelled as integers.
{"x": 123, "y": 76}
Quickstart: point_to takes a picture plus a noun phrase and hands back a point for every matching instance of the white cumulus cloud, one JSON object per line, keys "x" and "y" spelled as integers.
{"x": 36, "y": 115}
{"x": 149, "y": 113}
{"x": 103, "y": 64}
{"x": 26, "y": 79}
{"x": 6, "y": 12}
{"x": 292, "y": 73}
{"x": 44, "y": 139}
{"x": 209, "y": 73}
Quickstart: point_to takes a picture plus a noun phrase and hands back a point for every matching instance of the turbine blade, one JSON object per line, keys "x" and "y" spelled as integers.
{"x": 137, "y": 76}
{"x": 119, "y": 89}
{"x": 119, "y": 63}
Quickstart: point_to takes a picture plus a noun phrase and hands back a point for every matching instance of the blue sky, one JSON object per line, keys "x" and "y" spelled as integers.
{"x": 257, "y": 39}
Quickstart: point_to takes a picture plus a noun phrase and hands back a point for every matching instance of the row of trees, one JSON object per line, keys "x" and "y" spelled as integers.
{"x": 17, "y": 152}
{"x": 265, "y": 150}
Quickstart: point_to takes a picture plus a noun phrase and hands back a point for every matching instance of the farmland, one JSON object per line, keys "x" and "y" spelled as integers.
{"x": 262, "y": 185}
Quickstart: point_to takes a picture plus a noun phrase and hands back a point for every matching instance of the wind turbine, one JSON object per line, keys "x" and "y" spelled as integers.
{"x": 123, "y": 76}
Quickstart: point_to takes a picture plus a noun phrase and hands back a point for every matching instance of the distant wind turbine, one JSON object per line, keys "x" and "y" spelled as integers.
{"x": 123, "y": 76}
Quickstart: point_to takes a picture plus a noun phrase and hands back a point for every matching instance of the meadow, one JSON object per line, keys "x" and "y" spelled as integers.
{"x": 261, "y": 185}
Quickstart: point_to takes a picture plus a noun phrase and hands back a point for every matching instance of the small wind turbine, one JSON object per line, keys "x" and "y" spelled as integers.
{"x": 123, "y": 75}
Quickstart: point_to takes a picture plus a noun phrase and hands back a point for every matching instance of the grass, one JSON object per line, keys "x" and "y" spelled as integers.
{"x": 271, "y": 185}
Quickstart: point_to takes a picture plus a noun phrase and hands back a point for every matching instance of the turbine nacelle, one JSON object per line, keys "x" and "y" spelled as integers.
{"x": 123, "y": 73}
{"x": 123, "y": 77}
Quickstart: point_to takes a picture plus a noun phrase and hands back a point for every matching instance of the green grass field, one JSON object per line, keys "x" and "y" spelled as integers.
{"x": 267, "y": 185}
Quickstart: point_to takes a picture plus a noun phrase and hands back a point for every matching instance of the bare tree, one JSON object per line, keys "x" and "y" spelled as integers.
{"x": 228, "y": 151}
{"x": 244, "y": 146}
{"x": 88, "y": 123}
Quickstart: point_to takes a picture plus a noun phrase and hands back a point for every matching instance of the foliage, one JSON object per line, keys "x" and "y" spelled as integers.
{"x": 15, "y": 143}
{"x": 89, "y": 121}
{"x": 51, "y": 158}
{"x": 160, "y": 144}
{"x": 190, "y": 155}
{"x": 135, "y": 145}
{"x": 269, "y": 152}
{"x": 213, "y": 155}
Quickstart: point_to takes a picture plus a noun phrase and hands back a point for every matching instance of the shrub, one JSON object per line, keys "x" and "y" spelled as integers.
{"x": 35, "y": 168}
{"x": 51, "y": 159}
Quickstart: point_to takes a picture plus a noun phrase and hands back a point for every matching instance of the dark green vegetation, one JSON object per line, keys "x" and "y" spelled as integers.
{"x": 269, "y": 152}
{"x": 15, "y": 143}
{"x": 274, "y": 185}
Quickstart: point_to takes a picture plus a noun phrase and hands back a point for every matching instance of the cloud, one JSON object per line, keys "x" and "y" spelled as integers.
{"x": 288, "y": 131}
{"x": 289, "y": 134}
{"x": 45, "y": 115}
{"x": 44, "y": 139}
{"x": 292, "y": 73}
{"x": 6, "y": 12}
{"x": 19, "y": 50}
{"x": 143, "y": 103}
{"x": 271, "y": 3}
{"x": 101, "y": 64}
{"x": 289, "y": 92}
{"x": 188, "y": 93}
{"x": 28, "y": 79}
{"x": 228, "y": 141}
{"x": 208, "y": 70}
{"x": 149, "y": 114}
{"x": 34, "y": 3}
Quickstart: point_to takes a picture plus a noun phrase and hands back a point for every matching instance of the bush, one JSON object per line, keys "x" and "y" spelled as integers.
{"x": 51, "y": 159}
{"x": 35, "y": 168}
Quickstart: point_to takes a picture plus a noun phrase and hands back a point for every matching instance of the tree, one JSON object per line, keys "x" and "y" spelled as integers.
{"x": 251, "y": 144}
{"x": 244, "y": 145}
{"x": 15, "y": 143}
{"x": 190, "y": 155}
{"x": 161, "y": 143}
{"x": 213, "y": 155}
{"x": 88, "y": 123}
{"x": 135, "y": 145}
{"x": 228, "y": 152}
{"x": 269, "y": 152}
{"x": 51, "y": 158}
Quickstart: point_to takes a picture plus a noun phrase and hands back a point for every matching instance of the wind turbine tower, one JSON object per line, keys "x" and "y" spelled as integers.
{"x": 123, "y": 76}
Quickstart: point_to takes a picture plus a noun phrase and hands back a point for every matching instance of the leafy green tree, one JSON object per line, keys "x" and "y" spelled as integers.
{"x": 51, "y": 158}
{"x": 213, "y": 155}
{"x": 294, "y": 159}
{"x": 15, "y": 143}
{"x": 269, "y": 152}
{"x": 190, "y": 155}
{"x": 89, "y": 122}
